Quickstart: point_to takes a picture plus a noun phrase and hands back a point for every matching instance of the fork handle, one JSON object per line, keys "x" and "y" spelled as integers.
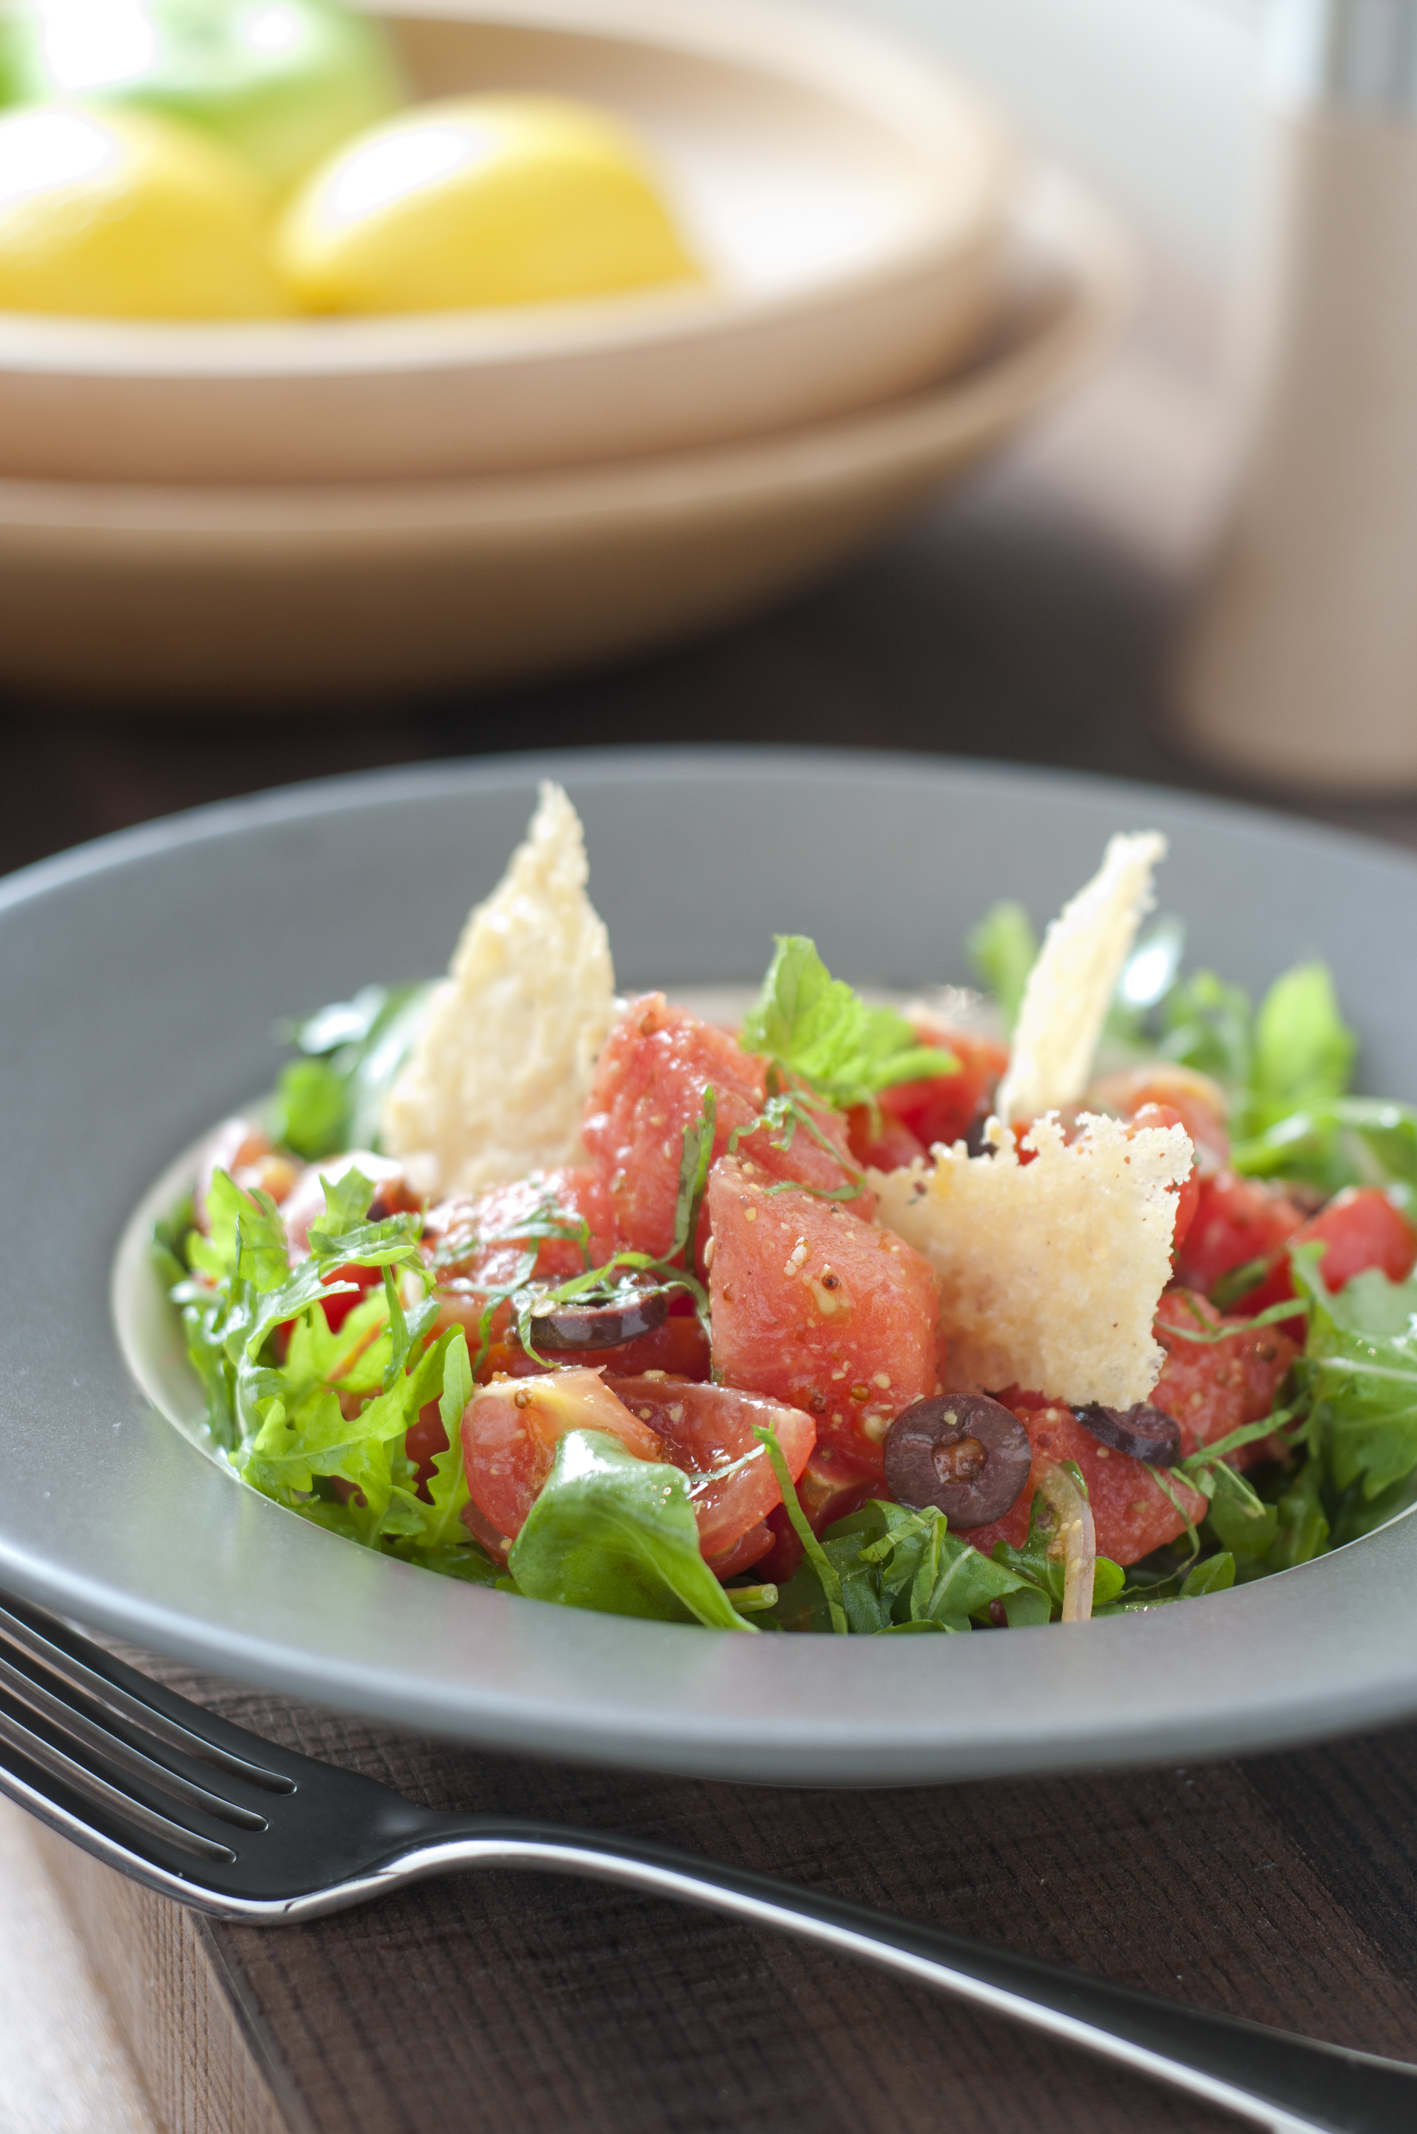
{"x": 1270, "y": 2078}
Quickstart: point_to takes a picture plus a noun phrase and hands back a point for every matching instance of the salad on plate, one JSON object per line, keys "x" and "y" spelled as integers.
{"x": 1087, "y": 1292}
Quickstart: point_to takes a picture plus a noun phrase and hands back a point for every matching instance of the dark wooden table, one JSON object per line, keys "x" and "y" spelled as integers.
{"x": 1029, "y": 619}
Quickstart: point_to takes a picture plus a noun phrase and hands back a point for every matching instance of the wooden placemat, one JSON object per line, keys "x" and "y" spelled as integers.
{"x": 1283, "y": 1888}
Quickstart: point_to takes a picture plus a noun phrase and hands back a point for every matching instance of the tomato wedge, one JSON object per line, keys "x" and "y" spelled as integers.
{"x": 705, "y": 1429}
{"x": 511, "y": 1428}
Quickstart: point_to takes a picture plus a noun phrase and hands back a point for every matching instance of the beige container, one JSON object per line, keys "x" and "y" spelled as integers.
{"x": 1302, "y": 663}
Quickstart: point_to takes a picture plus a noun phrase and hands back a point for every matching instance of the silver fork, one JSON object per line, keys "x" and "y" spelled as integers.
{"x": 219, "y": 1819}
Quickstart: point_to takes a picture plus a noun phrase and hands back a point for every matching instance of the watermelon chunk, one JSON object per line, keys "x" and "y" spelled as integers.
{"x": 814, "y": 1307}
{"x": 649, "y": 1086}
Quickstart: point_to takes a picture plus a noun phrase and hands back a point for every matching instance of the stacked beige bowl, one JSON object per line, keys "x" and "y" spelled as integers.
{"x": 304, "y": 509}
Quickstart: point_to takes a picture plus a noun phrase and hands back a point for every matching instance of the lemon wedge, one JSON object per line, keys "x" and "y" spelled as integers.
{"x": 479, "y": 201}
{"x": 123, "y": 215}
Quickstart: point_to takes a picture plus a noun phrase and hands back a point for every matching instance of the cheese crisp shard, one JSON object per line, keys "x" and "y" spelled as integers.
{"x": 1050, "y": 1271}
{"x": 499, "y": 1073}
{"x": 1071, "y": 985}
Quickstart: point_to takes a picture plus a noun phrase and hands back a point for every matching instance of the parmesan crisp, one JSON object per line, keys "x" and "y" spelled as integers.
{"x": 1050, "y": 1271}
{"x": 1071, "y": 985}
{"x": 499, "y": 1074}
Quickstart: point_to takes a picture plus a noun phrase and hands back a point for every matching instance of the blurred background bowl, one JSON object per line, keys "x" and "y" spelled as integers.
{"x": 192, "y": 595}
{"x": 847, "y": 200}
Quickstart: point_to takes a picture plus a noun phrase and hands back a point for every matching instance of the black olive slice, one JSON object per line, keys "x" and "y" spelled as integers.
{"x": 962, "y": 1452}
{"x": 1142, "y": 1432}
{"x": 599, "y": 1325}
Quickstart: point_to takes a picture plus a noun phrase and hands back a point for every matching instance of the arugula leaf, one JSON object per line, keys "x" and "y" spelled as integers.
{"x": 1361, "y": 1364}
{"x": 447, "y": 1486}
{"x": 932, "y": 1575}
{"x": 1003, "y": 949}
{"x": 320, "y": 1407}
{"x": 1302, "y": 1527}
{"x": 240, "y": 1227}
{"x": 1248, "y": 1540}
{"x": 346, "y": 1201}
{"x": 814, "y": 1027}
{"x": 1303, "y": 1052}
{"x": 1348, "y": 1141}
{"x": 888, "y": 1568}
{"x": 316, "y": 1438}
{"x": 616, "y": 1533}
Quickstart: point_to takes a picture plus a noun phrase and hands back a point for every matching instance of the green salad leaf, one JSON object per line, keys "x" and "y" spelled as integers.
{"x": 315, "y": 1417}
{"x": 1003, "y": 949}
{"x": 1345, "y": 1141}
{"x": 1214, "y": 1574}
{"x": 1042, "y": 1573}
{"x": 1303, "y": 1052}
{"x": 312, "y": 1109}
{"x": 617, "y": 1534}
{"x": 331, "y": 1099}
{"x": 1290, "y": 1059}
{"x": 890, "y": 1568}
{"x": 814, "y": 1027}
{"x": 1361, "y": 1364}
{"x": 1205, "y": 1024}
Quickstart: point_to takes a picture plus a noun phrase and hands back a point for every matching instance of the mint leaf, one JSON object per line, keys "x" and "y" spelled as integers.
{"x": 1003, "y": 949}
{"x": 814, "y": 1027}
{"x": 616, "y": 1533}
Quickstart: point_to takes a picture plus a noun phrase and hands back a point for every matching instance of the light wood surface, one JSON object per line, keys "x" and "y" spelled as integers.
{"x": 63, "y": 2066}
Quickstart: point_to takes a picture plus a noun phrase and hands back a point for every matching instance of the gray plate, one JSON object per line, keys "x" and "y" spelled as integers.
{"x": 139, "y": 978}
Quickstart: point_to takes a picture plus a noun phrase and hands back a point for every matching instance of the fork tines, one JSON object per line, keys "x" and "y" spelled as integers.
{"x": 70, "y": 1731}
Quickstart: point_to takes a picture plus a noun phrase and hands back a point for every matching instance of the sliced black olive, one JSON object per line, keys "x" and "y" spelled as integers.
{"x": 962, "y": 1452}
{"x": 1142, "y": 1432}
{"x": 599, "y": 1325}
